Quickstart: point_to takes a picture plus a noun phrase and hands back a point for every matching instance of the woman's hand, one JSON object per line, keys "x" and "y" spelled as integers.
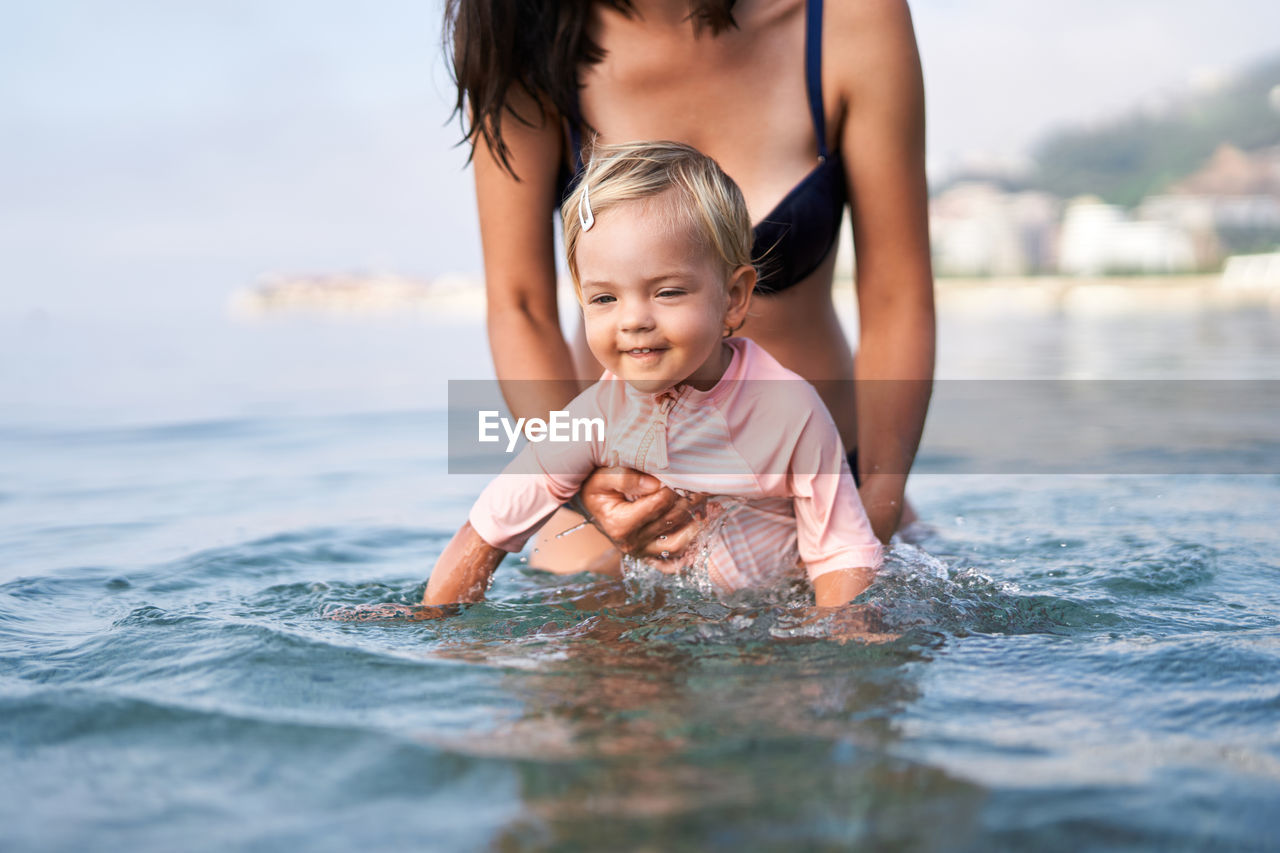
{"x": 638, "y": 514}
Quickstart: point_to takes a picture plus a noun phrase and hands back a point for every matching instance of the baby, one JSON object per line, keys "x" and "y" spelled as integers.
{"x": 658, "y": 241}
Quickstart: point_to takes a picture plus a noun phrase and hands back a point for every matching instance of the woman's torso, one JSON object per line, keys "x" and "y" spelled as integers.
{"x": 741, "y": 98}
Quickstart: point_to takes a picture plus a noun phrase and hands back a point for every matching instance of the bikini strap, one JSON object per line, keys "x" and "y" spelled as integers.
{"x": 813, "y": 71}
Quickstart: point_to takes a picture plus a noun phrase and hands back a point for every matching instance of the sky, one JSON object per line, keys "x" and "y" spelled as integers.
{"x": 168, "y": 153}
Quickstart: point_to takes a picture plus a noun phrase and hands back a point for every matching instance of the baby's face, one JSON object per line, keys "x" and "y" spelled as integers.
{"x": 654, "y": 298}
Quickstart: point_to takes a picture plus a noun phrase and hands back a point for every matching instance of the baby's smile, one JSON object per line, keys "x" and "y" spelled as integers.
{"x": 645, "y": 355}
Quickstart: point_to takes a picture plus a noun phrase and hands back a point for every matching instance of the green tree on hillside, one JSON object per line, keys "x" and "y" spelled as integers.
{"x": 1133, "y": 157}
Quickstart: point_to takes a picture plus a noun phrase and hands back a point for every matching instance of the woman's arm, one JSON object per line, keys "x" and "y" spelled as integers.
{"x": 519, "y": 262}
{"x": 882, "y": 143}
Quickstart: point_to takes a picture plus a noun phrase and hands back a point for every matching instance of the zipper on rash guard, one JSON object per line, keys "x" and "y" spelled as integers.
{"x": 655, "y": 438}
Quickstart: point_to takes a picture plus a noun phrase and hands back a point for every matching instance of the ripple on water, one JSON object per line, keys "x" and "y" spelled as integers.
{"x": 313, "y": 551}
{"x": 145, "y": 763}
{"x": 1161, "y": 569}
{"x": 319, "y": 671}
{"x": 917, "y": 590}
{"x": 608, "y": 709}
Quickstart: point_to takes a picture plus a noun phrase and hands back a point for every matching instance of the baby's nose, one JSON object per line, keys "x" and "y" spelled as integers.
{"x": 636, "y": 316}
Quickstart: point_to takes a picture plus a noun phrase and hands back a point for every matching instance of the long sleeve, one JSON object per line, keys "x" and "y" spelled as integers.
{"x": 542, "y": 477}
{"x": 832, "y": 526}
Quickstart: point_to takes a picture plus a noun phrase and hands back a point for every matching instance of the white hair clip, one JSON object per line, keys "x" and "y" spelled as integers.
{"x": 585, "y": 216}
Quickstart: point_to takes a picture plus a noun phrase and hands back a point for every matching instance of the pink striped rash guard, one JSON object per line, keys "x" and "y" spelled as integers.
{"x": 761, "y": 435}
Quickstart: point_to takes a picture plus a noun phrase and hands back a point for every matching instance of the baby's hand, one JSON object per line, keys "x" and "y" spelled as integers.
{"x": 861, "y": 623}
{"x": 388, "y": 612}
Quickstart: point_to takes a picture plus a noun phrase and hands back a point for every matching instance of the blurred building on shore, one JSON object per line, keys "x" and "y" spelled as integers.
{"x": 1230, "y": 206}
{"x": 979, "y": 229}
{"x": 1252, "y": 272}
{"x": 1102, "y": 238}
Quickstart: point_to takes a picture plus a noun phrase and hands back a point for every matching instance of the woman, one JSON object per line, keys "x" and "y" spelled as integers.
{"x": 807, "y": 108}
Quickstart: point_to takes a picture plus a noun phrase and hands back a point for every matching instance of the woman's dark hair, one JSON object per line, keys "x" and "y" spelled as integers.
{"x": 536, "y": 45}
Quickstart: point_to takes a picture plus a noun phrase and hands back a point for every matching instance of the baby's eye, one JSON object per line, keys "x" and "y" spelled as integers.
{"x": 670, "y": 291}
{"x": 601, "y": 299}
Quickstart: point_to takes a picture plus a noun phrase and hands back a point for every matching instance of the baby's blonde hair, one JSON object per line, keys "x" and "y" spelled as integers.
{"x": 707, "y": 199}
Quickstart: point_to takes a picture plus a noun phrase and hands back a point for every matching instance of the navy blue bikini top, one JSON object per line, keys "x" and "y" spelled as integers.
{"x": 797, "y": 235}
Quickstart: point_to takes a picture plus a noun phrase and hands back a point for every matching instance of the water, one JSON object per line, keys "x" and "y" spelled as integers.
{"x": 1080, "y": 661}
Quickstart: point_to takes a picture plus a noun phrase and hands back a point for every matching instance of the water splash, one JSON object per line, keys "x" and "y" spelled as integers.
{"x": 688, "y": 570}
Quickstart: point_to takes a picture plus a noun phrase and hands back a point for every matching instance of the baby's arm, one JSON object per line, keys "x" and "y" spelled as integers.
{"x": 838, "y": 587}
{"x": 840, "y": 551}
{"x": 512, "y": 507}
{"x": 463, "y": 571}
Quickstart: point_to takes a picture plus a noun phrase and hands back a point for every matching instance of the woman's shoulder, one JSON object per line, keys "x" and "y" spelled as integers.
{"x": 863, "y": 35}
{"x": 855, "y": 17}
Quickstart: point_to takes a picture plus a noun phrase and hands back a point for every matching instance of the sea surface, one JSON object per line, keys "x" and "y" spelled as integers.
{"x": 1079, "y": 661}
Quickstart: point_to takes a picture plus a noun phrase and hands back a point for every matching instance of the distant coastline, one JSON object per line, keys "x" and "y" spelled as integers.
{"x": 1103, "y": 294}
{"x": 461, "y": 298}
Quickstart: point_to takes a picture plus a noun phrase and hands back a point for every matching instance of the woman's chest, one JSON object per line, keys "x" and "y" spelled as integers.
{"x": 739, "y": 97}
